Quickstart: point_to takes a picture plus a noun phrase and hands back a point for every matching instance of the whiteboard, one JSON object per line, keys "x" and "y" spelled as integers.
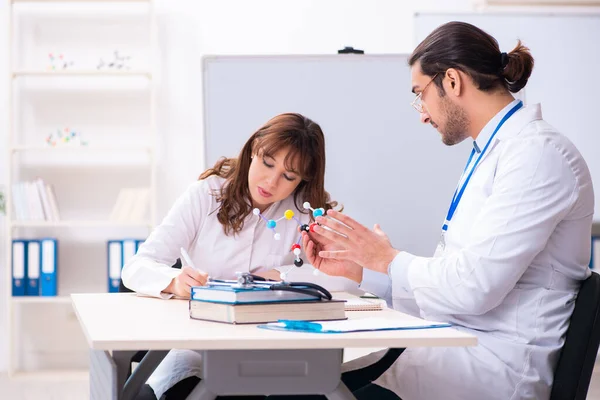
{"x": 383, "y": 165}
{"x": 565, "y": 80}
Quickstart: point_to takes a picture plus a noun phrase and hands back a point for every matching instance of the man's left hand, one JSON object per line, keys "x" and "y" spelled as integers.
{"x": 369, "y": 248}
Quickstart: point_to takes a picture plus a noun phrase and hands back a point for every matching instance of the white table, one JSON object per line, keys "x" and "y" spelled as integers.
{"x": 238, "y": 359}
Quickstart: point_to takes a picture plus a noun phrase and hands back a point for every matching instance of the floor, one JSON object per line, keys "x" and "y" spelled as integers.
{"x": 20, "y": 390}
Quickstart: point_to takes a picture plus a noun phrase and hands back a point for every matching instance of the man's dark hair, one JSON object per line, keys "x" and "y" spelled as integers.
{"x": 469, "y": 49}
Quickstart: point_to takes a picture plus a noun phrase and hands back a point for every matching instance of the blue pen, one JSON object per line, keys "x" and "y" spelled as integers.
{"x": 301, "y": 325}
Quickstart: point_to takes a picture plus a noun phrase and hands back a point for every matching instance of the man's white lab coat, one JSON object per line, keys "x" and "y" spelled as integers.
{"x": 516, "y": 252}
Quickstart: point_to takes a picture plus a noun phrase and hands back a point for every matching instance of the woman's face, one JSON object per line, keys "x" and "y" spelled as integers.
{"x": 269, "y": 180}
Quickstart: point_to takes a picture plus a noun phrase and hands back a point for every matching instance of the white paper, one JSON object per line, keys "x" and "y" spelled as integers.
{"x": 355, "y": 325}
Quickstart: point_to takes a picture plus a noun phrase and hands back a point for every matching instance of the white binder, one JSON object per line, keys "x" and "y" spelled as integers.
{"x": 129, "y": 250}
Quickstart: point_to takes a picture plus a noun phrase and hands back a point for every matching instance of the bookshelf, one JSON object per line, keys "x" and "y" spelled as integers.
{"x": 113, "y": 102}
{"x": 91, "y": 73}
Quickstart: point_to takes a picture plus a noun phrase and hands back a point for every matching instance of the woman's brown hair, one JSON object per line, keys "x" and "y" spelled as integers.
{"x": 306, "y": 143}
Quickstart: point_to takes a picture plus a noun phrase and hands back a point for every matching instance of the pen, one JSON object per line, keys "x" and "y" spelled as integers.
{"x": 188, "y": 261}
{"x": 186, "y": 258}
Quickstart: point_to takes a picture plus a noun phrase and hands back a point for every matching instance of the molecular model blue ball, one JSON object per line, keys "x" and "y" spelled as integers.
{"x": 271, "y": 224}
{"x": 318, "y": 212}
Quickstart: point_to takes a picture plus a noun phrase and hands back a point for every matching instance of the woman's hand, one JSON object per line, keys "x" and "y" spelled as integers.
{"x": 181, "y": 285}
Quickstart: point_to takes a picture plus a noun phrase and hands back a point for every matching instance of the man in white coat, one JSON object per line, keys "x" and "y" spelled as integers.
{"x": 513, "y": 249}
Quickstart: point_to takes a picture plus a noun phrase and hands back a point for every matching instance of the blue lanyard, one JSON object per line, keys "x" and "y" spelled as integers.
{"x": 458, "y": 193}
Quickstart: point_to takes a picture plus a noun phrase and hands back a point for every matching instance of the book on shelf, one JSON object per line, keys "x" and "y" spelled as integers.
{"x": 254, "y": 313}
{"x": 131, "y": 205}
{"x": 35, "y": 201}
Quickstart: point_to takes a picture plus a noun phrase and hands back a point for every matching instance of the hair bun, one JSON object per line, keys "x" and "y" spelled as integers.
{"x": 519, "y": 64}
{"x": 504, "y": 59}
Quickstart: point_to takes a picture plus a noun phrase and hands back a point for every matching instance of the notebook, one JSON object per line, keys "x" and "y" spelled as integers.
{"x": 255, "y": 313}
{"x": 357, "y": 304}
{"x": 353, "y": 325}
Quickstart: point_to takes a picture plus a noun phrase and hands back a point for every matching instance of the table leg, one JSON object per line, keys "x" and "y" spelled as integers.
{"x": 122, "y": 360}
{"x": 108, "y": 373}
{"x": 103, "y": 376}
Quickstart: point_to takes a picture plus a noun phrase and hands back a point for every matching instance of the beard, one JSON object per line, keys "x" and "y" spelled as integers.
{"x": 457, "y": 123}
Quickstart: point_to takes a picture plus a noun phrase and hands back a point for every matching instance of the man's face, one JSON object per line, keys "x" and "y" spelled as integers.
{"x": 439, "y": 109}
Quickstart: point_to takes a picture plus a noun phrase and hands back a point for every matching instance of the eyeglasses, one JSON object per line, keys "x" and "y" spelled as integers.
{"x": 417, "y": 102}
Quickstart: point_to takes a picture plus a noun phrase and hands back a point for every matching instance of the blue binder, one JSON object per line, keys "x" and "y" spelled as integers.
{"x": 49, "y": 276}
{"x": 34, "y": 262}
{"x": 19, "y": 267}
{"x": 595, "y": 256}
{"x": 138, "y": 243}
{"x": 114, "y": 251}
{"x": 129, "y": 250}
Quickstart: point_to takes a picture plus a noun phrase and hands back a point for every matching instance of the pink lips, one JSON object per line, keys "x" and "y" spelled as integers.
{"x": 263, "y": 192}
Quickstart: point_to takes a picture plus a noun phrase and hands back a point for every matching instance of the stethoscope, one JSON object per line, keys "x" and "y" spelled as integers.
{"x": 247, "y": 280}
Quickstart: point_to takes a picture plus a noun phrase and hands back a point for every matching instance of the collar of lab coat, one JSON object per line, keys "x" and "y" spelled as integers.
{"x": 488, "y": 129}
{"x": 519, "y": 121}
{"x": 512, "y": 127}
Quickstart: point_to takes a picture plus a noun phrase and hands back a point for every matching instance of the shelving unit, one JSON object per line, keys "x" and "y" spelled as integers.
{"x": 41, "y": 299}
{"x": 60, "y": 376}
{"x": 46, "y": 74}
{"x": 79, "y": 224}
{"x": 108, "y": 160}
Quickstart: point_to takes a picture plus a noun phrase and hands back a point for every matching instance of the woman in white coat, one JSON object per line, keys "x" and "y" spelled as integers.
{"x": 279, "y": 168}
{"x": 514, "y": 246}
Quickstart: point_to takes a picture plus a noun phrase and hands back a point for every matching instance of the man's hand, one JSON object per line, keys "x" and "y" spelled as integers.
{"x": 314, "y": 243}
{"x": 181, "y": 285}
{"x": 354, "y": 242}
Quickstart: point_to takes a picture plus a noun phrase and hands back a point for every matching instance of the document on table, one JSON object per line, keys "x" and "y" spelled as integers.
{"x": 353, "y": 325}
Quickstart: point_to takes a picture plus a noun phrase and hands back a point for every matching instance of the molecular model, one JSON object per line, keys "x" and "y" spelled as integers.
{"x": 65, "y": 137}
{"x": 118, "y": 62}
{"x": 58, "y": 62}
{"x": 296, "y": 247}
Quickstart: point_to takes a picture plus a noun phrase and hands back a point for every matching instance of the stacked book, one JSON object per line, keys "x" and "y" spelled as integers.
{"x": 260, "y": 304}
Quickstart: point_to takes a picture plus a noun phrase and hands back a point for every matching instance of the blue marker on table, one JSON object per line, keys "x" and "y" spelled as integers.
{"x": 301, "y": 325}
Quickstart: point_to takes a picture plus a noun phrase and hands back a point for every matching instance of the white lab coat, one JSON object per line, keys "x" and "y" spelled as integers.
{"x": 516, "y": 252}
{"x": 192, "y": 224}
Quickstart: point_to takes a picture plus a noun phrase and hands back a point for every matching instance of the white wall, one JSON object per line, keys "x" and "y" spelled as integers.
{"x": 189, "y": 29}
